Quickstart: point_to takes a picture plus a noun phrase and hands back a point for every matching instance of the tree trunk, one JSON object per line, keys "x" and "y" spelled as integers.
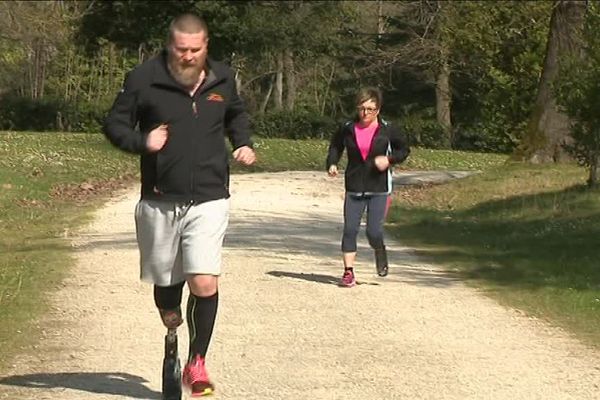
{"x": 238, "y": 81}
{"x": 68, "y": 76}
{"x": 548, "y": 128}
{"x": 42, "y": 71}
{"x": 328, "y": 88}
{"x": 380, "y": 23}
{"x": 443, "y": 98}
{"x": 290, "y": 80}
{"x": 279, "y": 83}
{"x": 265, "y": 102}
{"x": 141, "y": 53}
{"x": 594, "y": 170}
{"x": 33, "y": 65}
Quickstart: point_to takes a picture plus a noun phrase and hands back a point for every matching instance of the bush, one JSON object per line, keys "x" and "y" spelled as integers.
{"x": 482, "y": 139}
{"x": 39, "y": 115}
{"x": 20, "y": 113}
{"x": 422, "y": 129}
{"x": 293, "y": 125}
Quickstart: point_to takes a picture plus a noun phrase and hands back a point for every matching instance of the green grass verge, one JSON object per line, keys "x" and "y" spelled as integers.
{"x": 49, "y": 183}
{"x": 527, "y": 234}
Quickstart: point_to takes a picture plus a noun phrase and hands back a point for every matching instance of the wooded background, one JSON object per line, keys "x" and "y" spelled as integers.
{"x": 463, "y": 75}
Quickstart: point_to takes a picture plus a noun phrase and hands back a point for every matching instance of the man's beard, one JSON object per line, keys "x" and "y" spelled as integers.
{"x": 186, "y": 75}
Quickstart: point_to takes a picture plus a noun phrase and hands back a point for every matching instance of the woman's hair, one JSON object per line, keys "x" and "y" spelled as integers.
{"x": 369, "y": 93}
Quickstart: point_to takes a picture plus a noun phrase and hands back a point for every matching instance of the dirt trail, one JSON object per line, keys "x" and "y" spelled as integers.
{"x": 285, "y": 330}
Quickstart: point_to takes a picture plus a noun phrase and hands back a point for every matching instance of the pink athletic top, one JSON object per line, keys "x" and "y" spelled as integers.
{"x": 364, "y": 137}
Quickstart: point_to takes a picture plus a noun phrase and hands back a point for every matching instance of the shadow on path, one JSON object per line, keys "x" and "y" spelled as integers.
{"x": 113, "y": 241}
{"x": 318, "y": 235}
{"x": 114, "y": 383}
{"x": 319, "y": 278}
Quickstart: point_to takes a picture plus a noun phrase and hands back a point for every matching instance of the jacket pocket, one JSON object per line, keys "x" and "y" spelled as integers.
{"x": 171, "y": 174}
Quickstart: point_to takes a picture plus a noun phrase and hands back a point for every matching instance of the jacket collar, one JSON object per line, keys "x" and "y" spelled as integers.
{"x": 162, "y": 76}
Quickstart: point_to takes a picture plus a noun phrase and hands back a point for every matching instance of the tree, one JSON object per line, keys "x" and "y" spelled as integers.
{"x": 548, "y": 128}
{"x": 134, "y": 25}
{"x": 33, "y": 33}
{"x": 290, "y": 40}
{"x": 578, "y": 95}
{"x": 497, "y": 55}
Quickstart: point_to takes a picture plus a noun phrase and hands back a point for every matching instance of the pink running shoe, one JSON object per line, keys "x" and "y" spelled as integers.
{"x": 196, "y": 378}
{"x": 348, "y": 279}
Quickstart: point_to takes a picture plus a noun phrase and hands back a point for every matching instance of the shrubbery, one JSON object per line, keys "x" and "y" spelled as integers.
{"x": 293, "y": 125}
{"x": 25, "y": 114}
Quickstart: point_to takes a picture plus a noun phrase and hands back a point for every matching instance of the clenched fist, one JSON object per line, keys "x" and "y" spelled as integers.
{"x": 157, "y": 138}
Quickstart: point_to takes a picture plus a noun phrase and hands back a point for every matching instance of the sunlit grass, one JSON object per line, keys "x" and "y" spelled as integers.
{"x": 40, "y": 202}
{"x": 297, "y": 155}
{"x": 529, "y": 234}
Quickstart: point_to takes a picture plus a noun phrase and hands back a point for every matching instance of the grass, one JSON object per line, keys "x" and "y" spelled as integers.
{"x": 526, "y": 234}
{"x": 49, "y": 183}
{"x": 298, "y": 155}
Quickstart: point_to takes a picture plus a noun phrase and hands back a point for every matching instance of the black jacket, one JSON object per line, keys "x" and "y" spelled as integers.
{"x": 362, "y": 176}
{"x": 194, "y": 163}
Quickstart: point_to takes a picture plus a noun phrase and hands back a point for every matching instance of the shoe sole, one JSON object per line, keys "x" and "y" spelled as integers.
{"x": 206, "y": 392}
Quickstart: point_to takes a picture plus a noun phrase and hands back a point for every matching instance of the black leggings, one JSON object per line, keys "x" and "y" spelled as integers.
{"x": 354, "y": 207}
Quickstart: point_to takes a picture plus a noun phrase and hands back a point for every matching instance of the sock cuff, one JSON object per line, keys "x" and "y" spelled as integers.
{"x": 205, "y": 298}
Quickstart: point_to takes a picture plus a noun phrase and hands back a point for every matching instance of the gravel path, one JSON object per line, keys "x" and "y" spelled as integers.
{"x": 285, "y": 330}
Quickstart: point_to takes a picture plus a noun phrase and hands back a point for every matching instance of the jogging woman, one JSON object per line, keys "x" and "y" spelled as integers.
{"x": 373, "y": 145}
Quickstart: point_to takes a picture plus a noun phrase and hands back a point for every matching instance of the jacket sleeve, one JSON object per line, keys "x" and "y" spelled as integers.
{"x": 336, "y": 148}
{"x": 237, "y": 123}
{"x": 399, "y": 146}
{"x": 120, "y": 124}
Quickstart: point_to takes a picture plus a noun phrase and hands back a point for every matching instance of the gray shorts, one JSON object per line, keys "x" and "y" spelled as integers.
{"x": 177, "y": 239}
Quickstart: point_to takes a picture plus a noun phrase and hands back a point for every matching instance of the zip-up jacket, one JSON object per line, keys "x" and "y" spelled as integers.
{"x": 193, "y": 165}
{"x": 362, "y": 176}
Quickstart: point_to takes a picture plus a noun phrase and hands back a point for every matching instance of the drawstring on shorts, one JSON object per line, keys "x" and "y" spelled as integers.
{"x": 181, "y": 209}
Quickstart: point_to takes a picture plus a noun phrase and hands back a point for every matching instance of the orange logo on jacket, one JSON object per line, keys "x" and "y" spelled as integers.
{"x": 215, "y": 97}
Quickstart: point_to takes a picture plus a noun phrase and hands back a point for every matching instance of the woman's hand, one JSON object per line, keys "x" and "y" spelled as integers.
{"x": 382, "y": 163}
{"x": 333, "y": 171}
{"x": 244, "y": 155}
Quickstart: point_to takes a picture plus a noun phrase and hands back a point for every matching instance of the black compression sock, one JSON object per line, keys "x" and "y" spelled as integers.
{"x": 201, "y": 315}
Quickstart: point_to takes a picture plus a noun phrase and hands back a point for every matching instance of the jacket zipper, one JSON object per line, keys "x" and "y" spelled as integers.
{"x": 194, "y": 108}
{"x": 366, "y": 164}
{"x": 195, "y": 112}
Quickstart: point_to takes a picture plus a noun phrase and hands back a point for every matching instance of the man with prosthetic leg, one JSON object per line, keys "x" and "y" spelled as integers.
{"x": 175, "y": 110}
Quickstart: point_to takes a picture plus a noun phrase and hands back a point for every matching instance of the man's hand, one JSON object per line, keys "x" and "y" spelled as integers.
{"x": 332, "y": 171}
{"x": 244, "y": 155}
{"x": 382, "y": 163}
{"x": 157, "y": 138}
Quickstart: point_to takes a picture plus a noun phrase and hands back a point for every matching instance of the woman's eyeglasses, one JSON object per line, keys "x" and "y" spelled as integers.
{"x": 366, "y": 110}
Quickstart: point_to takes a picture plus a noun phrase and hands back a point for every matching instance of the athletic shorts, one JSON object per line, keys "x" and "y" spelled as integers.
{"x": 178, "y": 239}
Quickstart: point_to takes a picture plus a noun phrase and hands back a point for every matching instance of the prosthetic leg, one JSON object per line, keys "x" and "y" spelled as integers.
{"x": 381, "y": 261}
{"x": 171, "y": 370}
